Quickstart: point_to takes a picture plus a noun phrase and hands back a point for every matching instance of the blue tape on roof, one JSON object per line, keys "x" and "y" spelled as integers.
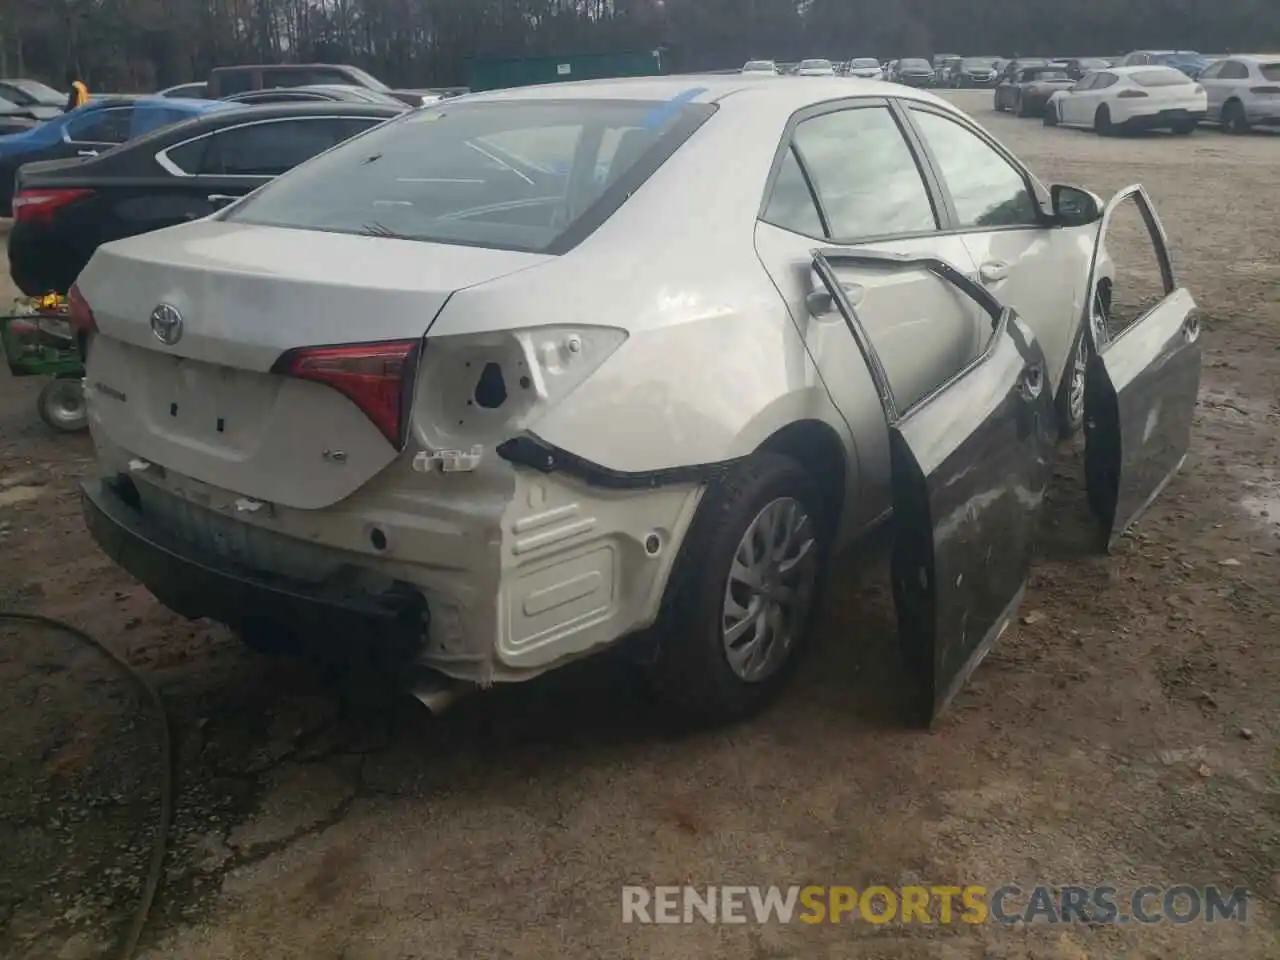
{"x": 665, "y": 111}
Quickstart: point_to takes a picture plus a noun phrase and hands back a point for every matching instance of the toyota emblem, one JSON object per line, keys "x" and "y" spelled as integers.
{"x": 166, "y": 324}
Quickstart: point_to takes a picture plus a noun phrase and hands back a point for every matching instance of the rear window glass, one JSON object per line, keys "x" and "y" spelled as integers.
{"x": 519, "y": 175}
{"x": 1270, "y": 71}
{"x": 1160, "y": 77}
{"x": 915, "y": 65}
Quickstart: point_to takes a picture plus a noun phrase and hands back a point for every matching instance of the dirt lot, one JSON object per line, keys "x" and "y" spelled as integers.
{"x": 1126, "y": 733}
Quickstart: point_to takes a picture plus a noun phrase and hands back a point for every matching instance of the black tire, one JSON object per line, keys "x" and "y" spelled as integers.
{"x": 62, "y": 407}
{"x": 1050, "y": 116}
{"x": 1234, "y": 120}
{"x": 1184, "y": 129}
{"x": 1102, "y": 122}
{"x": 690, "y": 671}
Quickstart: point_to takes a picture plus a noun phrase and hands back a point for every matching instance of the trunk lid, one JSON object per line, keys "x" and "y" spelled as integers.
{"x": 207, "y": 406}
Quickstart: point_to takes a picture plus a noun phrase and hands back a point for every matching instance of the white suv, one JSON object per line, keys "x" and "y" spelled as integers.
{"x": 1243, "y": 92}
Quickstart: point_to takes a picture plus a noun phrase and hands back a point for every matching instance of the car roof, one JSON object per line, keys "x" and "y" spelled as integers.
{"x": 312, "y": 108}
{"x": 706, "y": 88}
{"x": 1141, "y": 68}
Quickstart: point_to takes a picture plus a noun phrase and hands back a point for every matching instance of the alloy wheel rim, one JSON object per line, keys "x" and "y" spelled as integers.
{"x": 770, "y": 590}
{"x": 1079, "y": 368}
{"x": 66, "y": 404}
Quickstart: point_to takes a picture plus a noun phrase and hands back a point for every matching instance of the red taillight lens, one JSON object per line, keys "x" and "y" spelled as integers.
{"x": 1130, "y": 94}
{"x": 376, "y": 377}
{"x": 30, "y": 206}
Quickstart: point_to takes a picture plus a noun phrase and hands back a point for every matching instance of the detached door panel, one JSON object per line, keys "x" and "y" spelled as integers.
{"x": 969, "y": 462}
{"x": 1143, "y": 381}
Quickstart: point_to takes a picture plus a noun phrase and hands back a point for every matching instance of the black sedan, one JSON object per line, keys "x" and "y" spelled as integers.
{"x": 318, "y": 93}
{"x": 64, "y": 209}
{"x": 1028, "y": 91}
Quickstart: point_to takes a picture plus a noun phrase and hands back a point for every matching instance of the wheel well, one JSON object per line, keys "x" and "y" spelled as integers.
{"x": 818, "y": 448}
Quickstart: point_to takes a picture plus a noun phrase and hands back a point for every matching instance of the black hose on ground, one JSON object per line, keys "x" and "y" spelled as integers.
{"x": 156, "y": 867}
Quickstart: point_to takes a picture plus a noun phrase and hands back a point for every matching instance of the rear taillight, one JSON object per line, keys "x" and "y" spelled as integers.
{"x": 32, "y": 205}
{"x": 376, "y": 377}
{"x": 1130, "y": 94}
{"x": 1265, "y": 90}
{"x": 83, "y": 323}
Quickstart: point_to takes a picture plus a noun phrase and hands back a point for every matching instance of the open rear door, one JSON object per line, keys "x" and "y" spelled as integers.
{"x": 1144, "y": 375}
{"x": 970, "y": 462}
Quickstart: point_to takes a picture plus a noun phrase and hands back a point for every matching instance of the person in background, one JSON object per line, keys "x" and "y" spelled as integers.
{"x": 77, "y": 92}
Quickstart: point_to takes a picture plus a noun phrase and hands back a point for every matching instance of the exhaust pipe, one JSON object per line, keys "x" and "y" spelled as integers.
{"x": 438, "y": 693}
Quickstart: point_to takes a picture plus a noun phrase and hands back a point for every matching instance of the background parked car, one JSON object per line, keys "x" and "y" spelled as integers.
{"x": 1078, "y": 67}
{"x": 1027, "y": 92}
{"x": 65, "y": 209}
{"x": 867, "y": 68}
{"x": 944, "y": 70}
{"x": 975, "y": 72}
{"x": 198, "y": 90}
{"x": 1243, "y": 92}
{"x": 324, "y": 93}
{"x": 15, "y": 119}
{"x": 816, "y": 68}
{"x": 760, "y": 68}
{"x": 87, "y": 131}
{"x": 1123, "y": 99}
{"x": 914, "y": 72}
{"x": 40, "y": 97}
{"x": 1188, "y": 61}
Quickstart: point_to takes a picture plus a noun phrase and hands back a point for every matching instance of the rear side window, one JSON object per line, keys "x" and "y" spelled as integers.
{"x": 101, "y": 126}
{"x": 1233, "y": 70}
{"x": 522, "y": 175}
{"x": 1270, "y": 71}
{"x": 791, "y": 204}
{"x": 864, "y": 174}
{"x": 265, "y": 149}
{"x": 1160, "y": 77}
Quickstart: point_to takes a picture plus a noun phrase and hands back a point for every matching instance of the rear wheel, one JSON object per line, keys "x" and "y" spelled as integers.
{"x": 1102, "y": 122}
{"x": 1185, "y": 128}
{"x": 743, "y": 591}
{"x": 1234, "y": 120}
{"x": 1050, "y": 118}
{"x": 61, "y": 405}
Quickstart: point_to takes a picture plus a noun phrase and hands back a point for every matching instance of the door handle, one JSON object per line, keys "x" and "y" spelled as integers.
{"x": 993, "y": 271}
{"x": 1191, "y": 328}
{"x": 86, "y": 153}
{"x": 221, "y": 198}
{"x": 820, "y": 304}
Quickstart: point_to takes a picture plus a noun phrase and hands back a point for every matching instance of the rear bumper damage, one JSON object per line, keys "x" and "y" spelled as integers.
{"x": 491, "y": 575}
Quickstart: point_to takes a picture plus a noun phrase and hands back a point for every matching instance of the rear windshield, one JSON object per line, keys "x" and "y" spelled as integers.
{"x": 815, "y": 65}
{"x": 533, "y": 175}
{"x": 1160, "y": 77}
{"x": 759, "y": 65}
{"x": 978, "y": 63}
{"x": 862, "y": 62}
{"x": 915, "y": 65}
{"x": 1270, "y": 71}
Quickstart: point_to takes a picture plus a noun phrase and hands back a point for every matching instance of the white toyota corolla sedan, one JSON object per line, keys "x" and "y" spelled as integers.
{"x": 515, "y": 378}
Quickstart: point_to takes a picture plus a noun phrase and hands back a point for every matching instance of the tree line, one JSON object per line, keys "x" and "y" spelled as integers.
{"x": 133, "y": 45}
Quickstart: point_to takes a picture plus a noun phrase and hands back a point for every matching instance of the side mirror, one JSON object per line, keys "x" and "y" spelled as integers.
{"x": 1074, "y": 207}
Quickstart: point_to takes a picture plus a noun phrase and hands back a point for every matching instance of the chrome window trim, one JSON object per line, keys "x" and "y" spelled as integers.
{"x": 167, "y": 164}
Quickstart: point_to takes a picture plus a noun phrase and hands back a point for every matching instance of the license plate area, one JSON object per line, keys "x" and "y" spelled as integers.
{"x": 209, "y": 404}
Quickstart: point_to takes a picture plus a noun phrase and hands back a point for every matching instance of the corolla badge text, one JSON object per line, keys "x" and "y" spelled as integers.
{"x": 166, "y": 324}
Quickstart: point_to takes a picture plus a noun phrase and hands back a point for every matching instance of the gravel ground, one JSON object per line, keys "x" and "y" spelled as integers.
{"x": 1125, "y": 733}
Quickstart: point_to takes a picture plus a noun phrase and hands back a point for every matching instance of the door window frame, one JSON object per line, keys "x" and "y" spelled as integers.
{"x": 954, "y": 227}
{"x": 169, "y": 166}
{"x": 786, "y": 144}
